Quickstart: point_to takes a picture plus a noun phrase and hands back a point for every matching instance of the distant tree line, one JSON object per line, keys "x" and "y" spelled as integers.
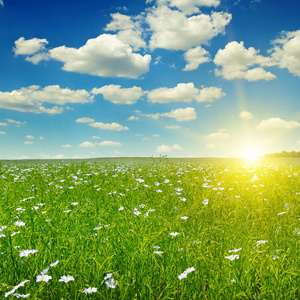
{"x": 284, "y": 154}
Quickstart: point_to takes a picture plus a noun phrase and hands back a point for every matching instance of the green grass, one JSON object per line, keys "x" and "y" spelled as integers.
{"x": 243, "y": 206}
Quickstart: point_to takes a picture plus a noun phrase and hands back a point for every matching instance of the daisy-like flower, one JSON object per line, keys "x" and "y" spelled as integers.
{"x": 20, "y": 295}
{"x": 186, "y": 272}
{"x": 136, "y": 212}
{"x": 67, "y": 211}
{"x": 2, "y": 235}
{"x": 232, "y": 257}
{"x": 205, "y": 202}
{"x": 159, "y": 191}
{"x": 15, "y": 288}
{"x": 184, "y": 218}
{"x": 27, "y": 252}
{"x": 90, "y": 290}
{"x": 19, "y": 223}
{"x": 174, "y": 233}
{"x": 43, "y": 277}
{"x": 235, "y": 250}
{"x": 109, "y": 275}
{"x": 121, "y": 208}
{"x": 74, "y": 203}
{"x": 261, "y": 242}
{"x": 182, "y": 199}
{"x": 66, "y": 279}
{"x": 158, "y": 252}
{"x": 156, "y": 247}
{"x": 111, "y": 283}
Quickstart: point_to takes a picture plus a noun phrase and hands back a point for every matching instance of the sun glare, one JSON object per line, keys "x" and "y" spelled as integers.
{"x": 251, "y": 154}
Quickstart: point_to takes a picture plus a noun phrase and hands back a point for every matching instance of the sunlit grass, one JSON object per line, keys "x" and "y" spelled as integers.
{"x": 150, "y": 230}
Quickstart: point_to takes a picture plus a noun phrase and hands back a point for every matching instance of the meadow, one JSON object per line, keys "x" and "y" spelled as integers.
{"x": 150, "y": 229}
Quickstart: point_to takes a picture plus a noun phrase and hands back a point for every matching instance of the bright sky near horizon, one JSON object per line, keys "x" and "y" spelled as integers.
{"x": 182, "y": 78}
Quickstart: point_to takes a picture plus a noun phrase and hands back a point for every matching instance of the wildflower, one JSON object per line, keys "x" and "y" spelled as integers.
{"x": 111, "y": 283}
{"x": 182, "y": 199}
{"x": 142, "y": 205}
{"x": 232, "y": 280}
{"x": 43, "y": 277}
{"x": 19, "y": 223}
{"x": 156, "y": 247}
{"x": 66, "y": 211}
{"x": 121, "y": 208}
{"x": 90, "y": 290}
{"x": 15, "y": 288}
{"x": 136, "y": 212}
{"x": 232, "y": 257}
{"x": 66, "y": 279}
{"x": 186, "y": 272}
{"x": 21, "y": 296}
{"x": 158, "y": 252}
{"x": 156, "y": 183}
{"x": 235, "y": 250}
{"x": 27, "y": 252}
{"x": 275, "y": 257}
{"x": 166, "y": 181}
{"x": 261, "y": 242}
{"x": 109, "y": 275}
{"x": 14, "y": 233}
{"x": 281, "y": 213}
{"x": 205, "y": 202}
{"x": 287, "y": 207}
{"x": 2, "y": 235}
{"x": 184, "y": 218}
{"x": 35, "y": 207}
{"x": 3, "y": 227}
{"x": 176, "y": 209}
{"x": 174, "y": 233}
{"x": 159, "y": 191}
{"x": 74, "y": 203}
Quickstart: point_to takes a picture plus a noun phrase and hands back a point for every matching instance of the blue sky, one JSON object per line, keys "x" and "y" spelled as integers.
{"x": 182, "y": 78}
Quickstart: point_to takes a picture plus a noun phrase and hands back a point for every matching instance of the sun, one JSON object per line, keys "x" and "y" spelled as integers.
{"x": 251, "y": 153}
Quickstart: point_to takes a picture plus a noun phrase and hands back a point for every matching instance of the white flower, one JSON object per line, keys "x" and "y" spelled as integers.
{"x": 184, "y": 218}
{"x": 205, "y": 202}
{"x": 21, "y": 296}
{"x": 111, "y": 283}
{"x": 186, "y": 272}
{"x": 261, "y": 242}
{"x": 43, "y": 277}
{"x": 182, "y": 199}
{"x": 74, "y": 203}
{"x": 3, "y": 227}
{"x": 108, "y": 276}
{"x": 19, "y": 223}
{"x": 121, "y": 208}
{"x": 235, "y": 250}
{"x": 158, "y": 252}
{"x": 90, "y": 290}
{"x": 287, "y": 207}
{"x": 156, "y": 247}
{"x": 67, "y": 211}
{"x": 136, "y": 212}
{"x": 156, "y": 183}
{"x": 159, "y": 191}
{"x": 66, "y": 279}
{"x": 27, "y": 252}
{"x": 2, "y": 235}
{"x": 281, "y": 213}
{"x": 232, "y": 257}
{"x": 174, "y": 233}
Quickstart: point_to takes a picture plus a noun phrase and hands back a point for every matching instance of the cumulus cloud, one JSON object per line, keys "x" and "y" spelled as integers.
{"x": 104, "y": 56}
{"x": 172, "y": 30}
{"x": 218, "y": 136}
{"x": 277, "y": 124}
{"x": 181, "y": 114}
{"x": 29, "y": 47}
{"x": 164, "y": 148}
{"x": 29, "y": 137}
{"x": 184, "y": 92}
{"x": 110, "y": 144}
{"x": 2, "y": 132}
{"x": 28, "y": 143}
{"x": 133, "y": 118}
{"x": 246, "y": 115}
{"x": 67, "y": 146}
{"x": 194, "y": 57}
{"x": 108, "y": 126}
{"x": 129, "y": 30}
{"x": 117, "y": 95}
{"x": 235, "y": 62}
{"x": 33, "y": 99}
{"x": 87, "y": 145}
{"x": 189, "y": 6}
{"x": 170, "y": 127}
{"x": 286, "y": 51}
{"x": 152, "y": 116}
{"x": 3, "y": 124}
{"x": 209, "y": 94}
{"x": 85, "y": 120}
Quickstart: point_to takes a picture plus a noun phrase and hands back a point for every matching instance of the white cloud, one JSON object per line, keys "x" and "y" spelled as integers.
{"x": 3, "y": 124}
{"x": 129, "y": 30}
{"x": 133, "y": 118}
{"x": 117, "y": 95}
{"x": 1, "y": 3}
{"x": 286, "y": 51}
{"x": 95, "y": 137}
{"x": 85, "y": 120}
{"x": 87, "y": 145}
{"x": 182, "y": 114}
{"x": 195, "y": 57}
{"x": 2, "y": 132}
{"x": 58, "y": 156}
{"x": 235, "y": 61}
{"x": 105, "y": 56}
{"x": 164, "y": 148}
{"x": 33, "y": 99}
{"x": 152, "y": 116}
{"x": 189, "y": 6}
{"x": 29, "y": 47}
{"x": 41, "y": 138}
{"x": 17, "y": 123}
{"x": 209, "y": 94}
{"x": 29, "y": 137}
{"x": 110, "y": 144}
{"x": 174, "y": 31}
{"x": 156, "y": 135}
{"x": 108, "y": 126}
{"x": 246, "y": 115}
{"x": 277, "y": 124}
{"x": 183, "y": 92}
{"x": 28, "y": 143}
{"x": 218, "y": 136}
{"x": 170, "y": 127}
{"x": 67, "y": 146}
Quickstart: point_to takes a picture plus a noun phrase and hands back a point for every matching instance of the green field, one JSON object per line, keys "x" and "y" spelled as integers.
{"x": 150, "y": 229}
